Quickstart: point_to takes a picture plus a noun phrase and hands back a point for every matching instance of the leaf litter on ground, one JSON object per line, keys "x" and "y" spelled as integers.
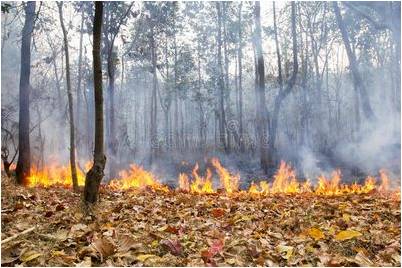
{"x": 156, "y": 228}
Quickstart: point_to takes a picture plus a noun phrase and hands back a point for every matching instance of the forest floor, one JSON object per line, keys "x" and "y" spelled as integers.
{"x": 149, "y": 228}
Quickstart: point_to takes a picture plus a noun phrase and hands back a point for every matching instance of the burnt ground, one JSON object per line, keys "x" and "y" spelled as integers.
{"x": 148, "y": 228}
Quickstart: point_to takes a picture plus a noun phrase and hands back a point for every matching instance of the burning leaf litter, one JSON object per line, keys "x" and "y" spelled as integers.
{"x": 153, "y": 227}
{"x": 284, "y": 181}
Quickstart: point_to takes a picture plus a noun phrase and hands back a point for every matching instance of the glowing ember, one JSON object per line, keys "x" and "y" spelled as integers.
{"x": 136, "y": 177}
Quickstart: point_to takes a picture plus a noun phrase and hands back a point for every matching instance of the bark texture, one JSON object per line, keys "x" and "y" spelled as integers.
{"x": 24, "y": 158}
{"x": 70, "y": 101}
{"x": 96, "y": 173}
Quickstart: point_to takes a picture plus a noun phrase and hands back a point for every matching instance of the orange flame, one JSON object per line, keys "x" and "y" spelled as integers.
{"x": 55, "y": 174}
{"x": 200, "y": 184}
{"x": 136, "y": 177}
{"x": 228, "y": 182}
{"x": 284, "y": 181}
{"x": 184, "y": 183}
{"x": 384, "y": 187}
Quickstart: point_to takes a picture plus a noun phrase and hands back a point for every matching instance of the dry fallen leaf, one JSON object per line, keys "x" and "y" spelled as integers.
{"x": 348, "y": 234}
{"x": 87, "y": 262}
{"x": 144, "y": 257}
{"x": 173, "y": 246}
{"x": 104, "y": 247}
{"x": 29, "y": 255}
{"x": 316, "y": 233}
{"x": 362, "y": 259}
{"x": 285, "y": 251}
{"x": 218, "y": 212}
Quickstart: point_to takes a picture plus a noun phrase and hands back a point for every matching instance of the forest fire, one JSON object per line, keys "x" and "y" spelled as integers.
{"x": 54, "y": 174}
{"x": 136, "y": 177}
{"x": 284, "y": 181}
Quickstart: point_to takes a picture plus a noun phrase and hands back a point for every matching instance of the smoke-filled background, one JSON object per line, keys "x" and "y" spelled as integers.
{"x": 182, "y": 84}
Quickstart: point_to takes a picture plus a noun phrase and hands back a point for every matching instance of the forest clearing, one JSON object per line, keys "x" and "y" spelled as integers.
{"x": 200, "y": 133}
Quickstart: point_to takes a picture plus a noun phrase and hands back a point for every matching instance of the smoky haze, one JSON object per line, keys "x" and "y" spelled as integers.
{"x": 169, "y": 76}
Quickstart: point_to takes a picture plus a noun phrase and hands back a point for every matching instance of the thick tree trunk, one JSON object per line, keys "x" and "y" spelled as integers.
{"x": 358, "y": 81}
{"x": 262, "y": 120}
{"x": 95, "y": 174}
{"x": 70, "y": 101}
{"x": 24, "y": 156}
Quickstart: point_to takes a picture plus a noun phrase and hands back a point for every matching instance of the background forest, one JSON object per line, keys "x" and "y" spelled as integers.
{"x": 313, "y": 83}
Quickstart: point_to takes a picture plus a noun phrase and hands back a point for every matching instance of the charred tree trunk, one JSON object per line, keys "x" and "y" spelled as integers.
{"x": 283, "y": 93}
{"x": 262, "y": 120}
{"x": 24, "y": 156}
{"x": 70, "y": 101}
{"x": 95, "y": 174}
{"x": 357, "y": 79}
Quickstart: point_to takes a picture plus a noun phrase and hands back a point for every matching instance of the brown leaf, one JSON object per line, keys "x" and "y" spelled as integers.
{"x": 173, "y": 246}
{"x": 104, "y": 247}
{"x": 218, "y": 212}
{"x": 215, "y": 248}
{"x": 127, "y": 242}
{"x": 60, "y": 207}
{"x": 172, "y": 229}
{"x": 87, "y": 262}
{"x": 48, "y": 213}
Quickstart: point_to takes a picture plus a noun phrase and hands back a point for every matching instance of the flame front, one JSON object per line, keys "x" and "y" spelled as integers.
{"x": 136, "y": 177}
{"x": 200, "y": 184}
{"x": 55, "y": 174}
{"x": 284, "y": 181}
{"x": 228, "y": 182}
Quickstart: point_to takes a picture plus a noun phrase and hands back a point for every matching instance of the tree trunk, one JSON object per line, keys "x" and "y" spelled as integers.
{"x": 283, "y": 93}
{"x": 357, "y": 79}
{"x": 95, "y": 174}
{"x": 153, "y": 131}
{"x": 24, "y": 156}
{"x": 79, "y": 92}
{"x": 262, "y": 119}
{"x": 70, "y": 101}
{"x": 222, "y": 119}
{"x": 240, "y": 74}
